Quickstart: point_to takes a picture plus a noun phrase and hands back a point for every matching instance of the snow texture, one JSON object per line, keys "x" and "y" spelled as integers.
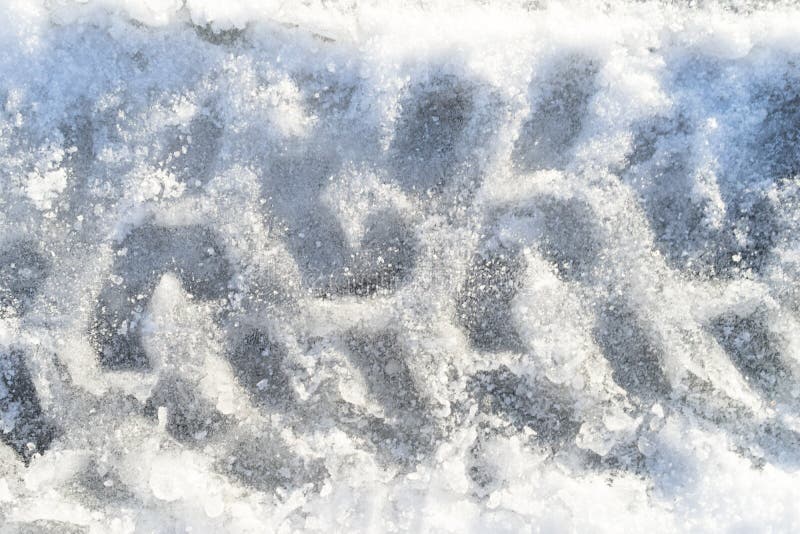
{"x": 399, "y": 266}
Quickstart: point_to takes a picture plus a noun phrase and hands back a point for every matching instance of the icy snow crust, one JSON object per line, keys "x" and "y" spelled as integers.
{"x": 383, "y": 267}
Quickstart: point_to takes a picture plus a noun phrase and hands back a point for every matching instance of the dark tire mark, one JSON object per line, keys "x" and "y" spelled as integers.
{"x": 266, "y": 463}
{"x": 79, "y": 143}
{"x": 384, "y": 260}
{"x": 382, "y": 362}
{"x": 230, "y": 37}
{"x": 636, "y": 361}
{"x": 678, "y": 222}
{"x": 648, "y": 136}
{"x": 663, "y": 175}
{"x": 757, "y": 220}
{"x": 754, "y": 351}
{"x": 625, "y": 457}
{"x": 432, "y": 122}
{"x": 190, "y": 418}
{"x": 100, "y": 486}
{"x": 148, "y": 252}
{"x": 483, "y": 306}
{"x": 24, "y": 426}
{"x": 407, "y": 432}
{"x": 569, "y": 236}
{"x": 192, "y": 155}
{"x": 22, "y": 271}
{"x": 659, "y": 169}
{"x": 560, "y": 104}
{"x": 777, "y": 144}
{"x": 540, "y": 406}
{"x": 257, "y": 363}
{"x": 329, "y": 265}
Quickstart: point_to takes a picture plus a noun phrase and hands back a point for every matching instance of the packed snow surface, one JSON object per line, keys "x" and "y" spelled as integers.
{"x": 399, "y": 266}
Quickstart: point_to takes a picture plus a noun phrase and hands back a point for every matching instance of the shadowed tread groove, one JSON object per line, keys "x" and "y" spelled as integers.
{"x": 433, "y": 118}
{"x": 635, "y": 360}
{"x": 140, "y": 260}
{"x": 408, "y": 429}
{"x": 22, "y": 272}
{"x": 384, "y": 261}
{"x": 24, "y": 426}
{"x": 483, "y": 305}
{"x": 216, "y": 37}
{"x": 560, "y": 105}
{"x": 777, "y": 145}
{"x": 331, "y": 266}
{"x": 192, "y": 155}
{"x": 539, "y": 407}
{"x": 755, "y": 352}
{"x": 101, "y": 485}
{"x": 190, "y": 418}
{"x": 569, "y": 237}
{"x": 267, "y": 463}
{"x": 257, "y": 363}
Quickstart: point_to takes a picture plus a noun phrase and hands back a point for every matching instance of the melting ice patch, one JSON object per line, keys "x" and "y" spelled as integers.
{"x": 442, "y": 267}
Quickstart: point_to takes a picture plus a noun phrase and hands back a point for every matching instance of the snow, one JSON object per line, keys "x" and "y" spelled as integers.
{"x": 438, "y": 266}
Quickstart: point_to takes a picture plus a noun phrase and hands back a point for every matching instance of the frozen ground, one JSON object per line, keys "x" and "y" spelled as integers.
{"x": 382, "y": 267}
